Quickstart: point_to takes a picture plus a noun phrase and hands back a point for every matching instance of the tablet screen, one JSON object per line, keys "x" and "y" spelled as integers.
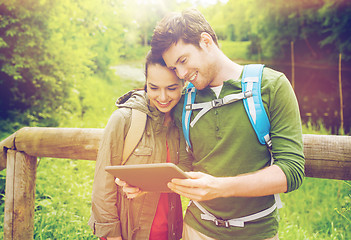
{"x": 148, "y": 177}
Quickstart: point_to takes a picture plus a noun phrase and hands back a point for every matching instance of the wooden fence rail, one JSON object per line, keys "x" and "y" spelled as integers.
{"x": 326, "y": 157}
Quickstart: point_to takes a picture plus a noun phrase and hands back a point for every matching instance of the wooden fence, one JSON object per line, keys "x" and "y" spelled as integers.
{"x": 326, "y": 157}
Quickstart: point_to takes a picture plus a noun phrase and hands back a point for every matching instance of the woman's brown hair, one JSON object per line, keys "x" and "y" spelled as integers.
{"x": 151, "y": 60}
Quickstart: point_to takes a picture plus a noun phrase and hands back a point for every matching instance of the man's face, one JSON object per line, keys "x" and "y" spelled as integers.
{"x": 190, "y": 63}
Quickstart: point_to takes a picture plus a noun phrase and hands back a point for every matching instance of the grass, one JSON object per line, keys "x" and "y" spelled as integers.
{"x": 63, "y": 197}
{"x": 311, "y": 211}
{"x": 318, "y": 210}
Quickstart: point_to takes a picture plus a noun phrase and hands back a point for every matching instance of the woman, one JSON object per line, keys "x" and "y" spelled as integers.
{"x": 115, "y": 213}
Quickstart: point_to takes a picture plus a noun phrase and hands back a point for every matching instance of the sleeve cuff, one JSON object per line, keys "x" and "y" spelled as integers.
{"x": 105, "y": 229}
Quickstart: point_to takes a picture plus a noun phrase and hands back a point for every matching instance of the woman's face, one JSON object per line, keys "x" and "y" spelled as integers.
{"x": 164, "y": 89}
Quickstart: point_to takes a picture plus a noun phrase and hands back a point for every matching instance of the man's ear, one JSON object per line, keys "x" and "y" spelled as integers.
{"x": 205, "y": 40}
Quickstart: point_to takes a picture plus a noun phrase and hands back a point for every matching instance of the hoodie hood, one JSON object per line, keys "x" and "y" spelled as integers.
{"x": 133, "y": 99}
{"x": 137, "y": 99}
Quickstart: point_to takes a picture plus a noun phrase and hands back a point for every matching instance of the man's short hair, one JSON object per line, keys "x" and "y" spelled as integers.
{"x": 187, "y": 26}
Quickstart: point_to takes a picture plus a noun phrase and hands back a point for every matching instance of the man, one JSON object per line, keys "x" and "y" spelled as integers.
{"x": 232, "y": 176}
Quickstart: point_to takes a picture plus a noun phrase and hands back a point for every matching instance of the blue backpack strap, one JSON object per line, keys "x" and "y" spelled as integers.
{"x": 189, "y": 98}
{"x": 251, "y": 80}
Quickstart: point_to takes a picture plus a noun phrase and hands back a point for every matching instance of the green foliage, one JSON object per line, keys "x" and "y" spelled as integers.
{"x": 98, "y": 98}
{"x": 41, "y": 62}
{"x": 231, "y": 21}
{"x": 235, "y": 50}
{"x": 50, "y": 49}
{"x": 335, "y": 17}
{"x": 321, "y": 25}
{"x": 318, "y": 129}
{"x": 311, "y": 212}
{"x": 63, "y": 197}
{"x": 345, "y": 209}
{"x": 2, "y": 186}
{"x": 272, "y": 25}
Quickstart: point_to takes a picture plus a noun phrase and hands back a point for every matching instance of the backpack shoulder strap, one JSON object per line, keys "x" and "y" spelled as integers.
{"x": 189, "y": 99}
{"x": 135, "y": 132}
{"x": 251, "y": 88}
{"x": 251, "y": 81}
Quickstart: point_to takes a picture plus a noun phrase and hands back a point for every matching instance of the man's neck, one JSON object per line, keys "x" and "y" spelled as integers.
{"x": 227, "y": 69}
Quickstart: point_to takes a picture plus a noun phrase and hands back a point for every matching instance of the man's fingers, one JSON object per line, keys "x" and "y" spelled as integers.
{"x": 195, "y": 175}
{"x": 200, "y": 187}
{"x": 190, "y": 193}
{"x": 183, "y": 182}
{"x": 194, "y": 182}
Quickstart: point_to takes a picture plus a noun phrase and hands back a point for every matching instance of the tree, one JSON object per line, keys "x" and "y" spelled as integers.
{"x": 45, "y": 52}
{"x": 319, "y": 24}
{"x": 335, "y": 18}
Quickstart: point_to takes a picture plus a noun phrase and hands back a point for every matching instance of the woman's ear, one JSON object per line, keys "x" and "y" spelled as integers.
{"x": 205, "y": 40}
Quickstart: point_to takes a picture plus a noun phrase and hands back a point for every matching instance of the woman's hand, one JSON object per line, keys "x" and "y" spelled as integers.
{"x": 130, "y": 191}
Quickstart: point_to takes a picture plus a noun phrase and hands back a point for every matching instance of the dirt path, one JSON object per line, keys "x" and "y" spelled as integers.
{"x": 130, "y": 72}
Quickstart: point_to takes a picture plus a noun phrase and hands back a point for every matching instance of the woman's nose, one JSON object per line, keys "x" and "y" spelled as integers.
{"x": 163, "y": 95}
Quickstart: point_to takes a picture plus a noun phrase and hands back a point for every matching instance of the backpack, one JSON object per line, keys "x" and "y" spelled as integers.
{"x": 135, "y": 132}
{"x": 251, "y": 97}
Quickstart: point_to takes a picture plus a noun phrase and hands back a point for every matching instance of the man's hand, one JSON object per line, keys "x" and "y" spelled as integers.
{"x": 130, "y": 191}
{"x": 114, "y": 238}
{"x": 200, "y": 187}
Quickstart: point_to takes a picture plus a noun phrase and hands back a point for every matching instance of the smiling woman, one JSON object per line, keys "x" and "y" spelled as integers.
{"x": 161, "y": 213}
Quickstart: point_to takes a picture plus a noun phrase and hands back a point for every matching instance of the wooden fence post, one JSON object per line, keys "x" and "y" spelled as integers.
{"x": 20, "y": 196}
{"x": 292, "y": 65}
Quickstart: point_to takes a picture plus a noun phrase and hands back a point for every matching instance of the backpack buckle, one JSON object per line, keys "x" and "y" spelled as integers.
{"x": 248, "y": 94}
{"x": 217, "y": 103}
{"x": 188, "y": 107}
{"x": 221, "y": 223}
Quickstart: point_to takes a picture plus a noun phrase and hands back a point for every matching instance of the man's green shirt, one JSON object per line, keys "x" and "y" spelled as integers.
{"x": 225, "y": 144}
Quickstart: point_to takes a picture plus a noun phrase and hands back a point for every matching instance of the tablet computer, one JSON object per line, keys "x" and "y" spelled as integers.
{"x": 148, "y": 177}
